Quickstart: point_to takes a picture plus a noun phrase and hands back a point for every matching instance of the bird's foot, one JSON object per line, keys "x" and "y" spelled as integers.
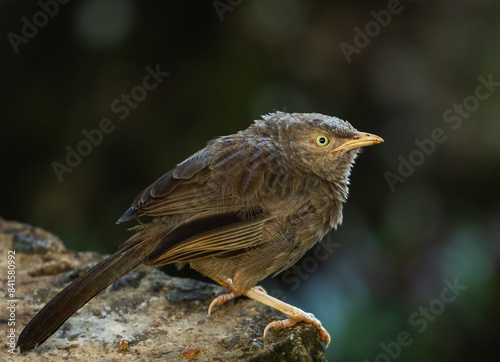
{"x": 300, "y": 317}
{"x": 221, "y": 299}
{"x": 295, "y": 314}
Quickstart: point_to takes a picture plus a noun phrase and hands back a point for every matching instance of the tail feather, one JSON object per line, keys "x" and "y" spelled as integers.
{"x": 77, "y": 294}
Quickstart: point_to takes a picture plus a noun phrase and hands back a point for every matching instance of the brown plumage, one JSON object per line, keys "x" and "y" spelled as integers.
{"x": 246, "y": 206}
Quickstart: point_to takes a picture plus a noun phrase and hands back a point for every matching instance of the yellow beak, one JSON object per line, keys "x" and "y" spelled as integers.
{"x": 361, "y": 139}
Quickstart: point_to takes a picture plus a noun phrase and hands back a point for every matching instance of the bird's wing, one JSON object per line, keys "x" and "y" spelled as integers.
{"x": 181, "y": 190}
{"x": 221, "y": 194}
{"x": 216, "y": 179}
{"x": 221, "y": 235}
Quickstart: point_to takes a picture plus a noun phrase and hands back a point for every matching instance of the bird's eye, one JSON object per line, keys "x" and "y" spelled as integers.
{"x": 322, "y": 141}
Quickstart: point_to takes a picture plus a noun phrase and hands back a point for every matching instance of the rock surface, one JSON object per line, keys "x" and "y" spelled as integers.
{"x": 146, "y": 315}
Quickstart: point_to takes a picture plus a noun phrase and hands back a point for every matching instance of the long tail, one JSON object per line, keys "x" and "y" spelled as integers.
{"x": 77, "y": 294}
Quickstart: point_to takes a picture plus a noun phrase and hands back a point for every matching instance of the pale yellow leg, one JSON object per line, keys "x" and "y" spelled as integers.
{"x": 259, "y": 294}
{"x": 296, "y": 315}
{"x": 221, "y": 299}
{"x": 224, "y": 298}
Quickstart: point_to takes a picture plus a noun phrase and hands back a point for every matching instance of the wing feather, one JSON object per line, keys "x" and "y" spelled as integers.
{"x": 209, "y": 234}
{"x": 165, "y": 186}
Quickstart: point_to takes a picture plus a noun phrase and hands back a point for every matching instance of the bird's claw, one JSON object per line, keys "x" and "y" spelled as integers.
{"x": 224, "y": 298}
{"x": 221, "y": 299}
{"x": 307, "y": 318}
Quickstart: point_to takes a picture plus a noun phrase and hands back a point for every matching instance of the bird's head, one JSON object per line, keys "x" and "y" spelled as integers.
{"x": 319, "y": 144}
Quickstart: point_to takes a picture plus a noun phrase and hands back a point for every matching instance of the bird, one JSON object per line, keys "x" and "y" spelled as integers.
{"x": 246, "y": 206}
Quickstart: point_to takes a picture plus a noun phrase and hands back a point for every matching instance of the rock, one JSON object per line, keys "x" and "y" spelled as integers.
{"x": 146, "y": 315}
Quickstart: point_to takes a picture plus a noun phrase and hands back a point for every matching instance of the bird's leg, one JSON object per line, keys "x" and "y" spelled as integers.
{"x": 296, "y": 315}
{"x": 221, "y": 299}
{"x": 233, "y": 293}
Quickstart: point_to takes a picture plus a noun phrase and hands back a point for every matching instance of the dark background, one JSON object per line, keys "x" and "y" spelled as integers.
{"x": 398, "y": 245}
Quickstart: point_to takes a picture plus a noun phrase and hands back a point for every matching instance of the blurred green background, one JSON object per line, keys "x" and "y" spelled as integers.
{"x": 386, "y": 292}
